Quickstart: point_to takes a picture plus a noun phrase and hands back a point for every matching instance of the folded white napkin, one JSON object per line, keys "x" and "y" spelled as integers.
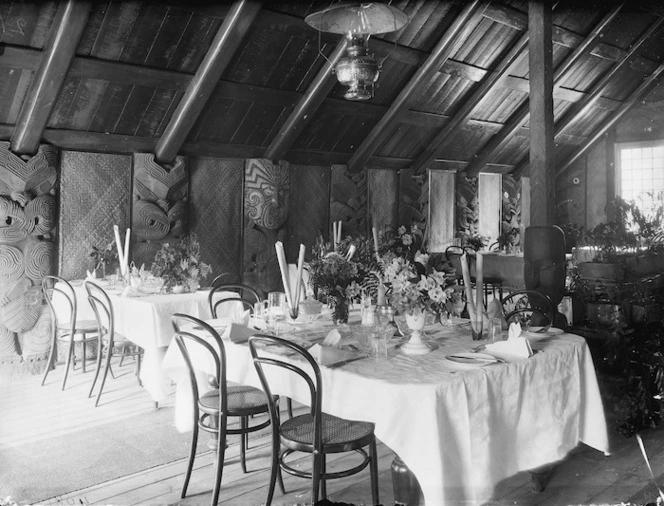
{"x": 90, "y": 275}
{"x": 514, "y": 330}
{"x": 238, "y": 333}
{"x": 241, "y": 317}
{"x": 328, "y": 355}
{"x": 132, "y": 292}
{"x": 333, "y": 338}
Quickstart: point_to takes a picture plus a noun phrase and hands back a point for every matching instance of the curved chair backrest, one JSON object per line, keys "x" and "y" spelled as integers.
{"x": 521, "y": 305}
{"x": 214, "y": 309}
{"x": 245, "y": 293}
{"x": 257, "y": 343}
{"x": 103, "y": 309}
{"x": 207, "y": 339}
{"x": 55, "y": 285}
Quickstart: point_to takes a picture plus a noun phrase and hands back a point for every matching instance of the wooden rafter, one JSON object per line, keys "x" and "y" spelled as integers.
{"x": 639, "y": 93}
{"x": 522, "y": 113}
{"x": 226, "y": 42}
{"x": 307, "y": 106}
{"x": 58, "y": 54}
{"x": 451, "y": 39}
{"x": 492, "y": 81}
{"x": 584, "y": 106}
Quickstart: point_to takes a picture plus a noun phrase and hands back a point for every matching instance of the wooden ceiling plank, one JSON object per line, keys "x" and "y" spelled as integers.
{"x": 481, "y": 92}
{"x": 584, "y": 107}
{"x": 321, "y": 85}
{"x": 227, "y": 41}
{"x": 458, "y": 32}
{"x": 634, "y": 98}
{"x": 522, "y": 113}
{"x": 58, "y": 54}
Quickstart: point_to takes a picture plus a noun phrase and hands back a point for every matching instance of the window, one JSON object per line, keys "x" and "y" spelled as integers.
{"x": 640, "y": 173}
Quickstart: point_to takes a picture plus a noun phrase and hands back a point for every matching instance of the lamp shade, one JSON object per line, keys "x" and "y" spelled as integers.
{"x": 354, "y": 19}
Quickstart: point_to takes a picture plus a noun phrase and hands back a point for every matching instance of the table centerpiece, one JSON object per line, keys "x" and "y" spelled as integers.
{"x": 420, "y": 283}
{"x": 180, "y": 266}
{"x": 334, "y": 275}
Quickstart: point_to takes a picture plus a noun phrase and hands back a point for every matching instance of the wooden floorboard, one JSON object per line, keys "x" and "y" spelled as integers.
{"x": 585, "y": 477}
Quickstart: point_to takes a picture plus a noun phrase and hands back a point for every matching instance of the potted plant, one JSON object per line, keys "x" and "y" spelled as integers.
{"x": 102, "y": 257}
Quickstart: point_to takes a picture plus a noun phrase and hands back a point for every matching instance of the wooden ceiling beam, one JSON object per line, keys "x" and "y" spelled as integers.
{"x": 645, "y": 87}
{"x": 584, "y": 107}
{"x": 321, "y": 85}
{"x": 493, "y": 80}
{"x": 523, "y": 112}
{"x": 447, "y": 45}
{"x": 71, "y": 19}
{"x": 225, "y": 44}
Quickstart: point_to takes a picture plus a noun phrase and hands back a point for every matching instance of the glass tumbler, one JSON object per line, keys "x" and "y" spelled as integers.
{"x": 277, "y": 308}
{"x": 495, "y": 330}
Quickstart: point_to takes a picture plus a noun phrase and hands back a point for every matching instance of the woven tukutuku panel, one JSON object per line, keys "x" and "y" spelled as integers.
{"x": 95, "y": 194}
{"x": 309, "y": 207}
{"x": 216, "y": 190}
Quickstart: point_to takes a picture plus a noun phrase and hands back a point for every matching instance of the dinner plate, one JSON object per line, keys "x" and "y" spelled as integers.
{"x": 219, "y": 324}
{"x": 532, "y": 332}
{"x": 473, "y": 359}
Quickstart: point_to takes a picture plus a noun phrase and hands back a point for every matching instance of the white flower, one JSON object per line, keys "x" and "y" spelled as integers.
{"x": 421, "y": 258}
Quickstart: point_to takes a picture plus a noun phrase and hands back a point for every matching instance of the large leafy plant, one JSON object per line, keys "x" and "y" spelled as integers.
{"x": 179, "y": 264}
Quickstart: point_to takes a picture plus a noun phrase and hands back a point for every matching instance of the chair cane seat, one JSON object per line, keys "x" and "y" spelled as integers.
{"x": 241, "y": 398}
{"x": 337, "y": 432}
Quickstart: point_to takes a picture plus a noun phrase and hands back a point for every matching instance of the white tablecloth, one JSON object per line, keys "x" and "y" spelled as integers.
{"x": 145, "y": 321}
{"x": 460, "y": 430}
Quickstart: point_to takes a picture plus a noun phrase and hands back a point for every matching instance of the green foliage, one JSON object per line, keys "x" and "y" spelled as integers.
{"x": 104, "y": 255}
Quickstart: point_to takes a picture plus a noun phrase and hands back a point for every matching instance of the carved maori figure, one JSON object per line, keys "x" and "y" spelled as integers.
{"x": 27, "y": 218}
{"x": 266, "y": 194}
{"x": 160, "y": 205}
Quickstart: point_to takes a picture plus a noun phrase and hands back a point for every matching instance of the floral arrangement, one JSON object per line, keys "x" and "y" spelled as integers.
{"x": 419, "y": 285}
{"x": 335, "y": 276}
{"x": 179, "y": 264}
{"x": 103, "y": 256}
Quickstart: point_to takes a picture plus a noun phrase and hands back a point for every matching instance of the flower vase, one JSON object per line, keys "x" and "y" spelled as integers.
{"x": 339, "y": 305}
{"x": 415, "y": 322}
{"x": 178, "y": 289}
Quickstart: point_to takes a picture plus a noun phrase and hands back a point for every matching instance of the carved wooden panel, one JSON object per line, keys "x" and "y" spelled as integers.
{"x": 309, "y": 208}
{"x": 490, "y": 200}
{"x": 413, "y": 199}
{"x": 467, "y": 209}
{"x": 510, "y": 218}
{"x": 27, "y": 253}
{"x": 348, "y": 201}
{"x": 160, "y": 208}
{"x": 95, "y": 194}
{"x": 216, "y": 213}
{"x": 266, "y": 206}
{"x": 441, "y": 210}
{"x": 383, "y": 197}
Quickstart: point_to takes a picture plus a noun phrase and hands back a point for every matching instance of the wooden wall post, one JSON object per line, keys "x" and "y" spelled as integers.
{"x": 542, "y": 175}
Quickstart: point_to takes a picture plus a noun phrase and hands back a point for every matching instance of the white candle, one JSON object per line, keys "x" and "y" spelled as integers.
{"x": 126, "y": 250}
{"x": 334, "y": 235}
{"x": 467, "y": 286}
{"x": 283, "y": 267}
{"x": 300, "y": 267}
{"x": 118, "y": 244}
{"x": 351, "y": 252}
{"x": 479, "y": 281}
{"x": 375, "y": 239}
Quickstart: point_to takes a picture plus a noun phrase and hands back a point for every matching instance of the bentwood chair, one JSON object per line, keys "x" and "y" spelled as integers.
{"x": 66, "y": 330}
{"x": 315, "y": 432}
{"x": 111, "y": 344}
{"x": 212, "y": 409}
{"x": 492, "y": 285}
{"x": 528, "y": 307}
{"x": 245, "y": 294}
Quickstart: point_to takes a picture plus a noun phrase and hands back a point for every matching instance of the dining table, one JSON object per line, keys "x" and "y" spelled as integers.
{"x": 459, "y": 427}
{"x": 144, "y": 319}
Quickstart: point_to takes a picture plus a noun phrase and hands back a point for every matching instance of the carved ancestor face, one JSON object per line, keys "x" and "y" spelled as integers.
{"x": 266, "y": 193}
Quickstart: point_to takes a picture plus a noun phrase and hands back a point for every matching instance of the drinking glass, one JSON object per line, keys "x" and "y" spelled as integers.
{"x": 277, "y": 308}
{"x": 476, "y": 330}
{"x": 495, "y": 330}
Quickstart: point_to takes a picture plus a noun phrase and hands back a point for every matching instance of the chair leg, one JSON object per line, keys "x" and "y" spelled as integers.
{"x": 138, "y": 370}
{"x": 275, "y": 466}
{"x": 192, "y": 455}
{"x": 70, "y": 353}
{"x": 315, "y": 477}
{"x": 100, "y": 356}
{"x": 243, "y": 461}
{"x": 51, "y": 355}
{"x": 85, "y": 355}
{"x": 323, "y": 483}
{"x": 221, "y": 451}
{"x": 373, "y": 468}
{"x": 109, "y": 355}
{"x": 289, "y": 407}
